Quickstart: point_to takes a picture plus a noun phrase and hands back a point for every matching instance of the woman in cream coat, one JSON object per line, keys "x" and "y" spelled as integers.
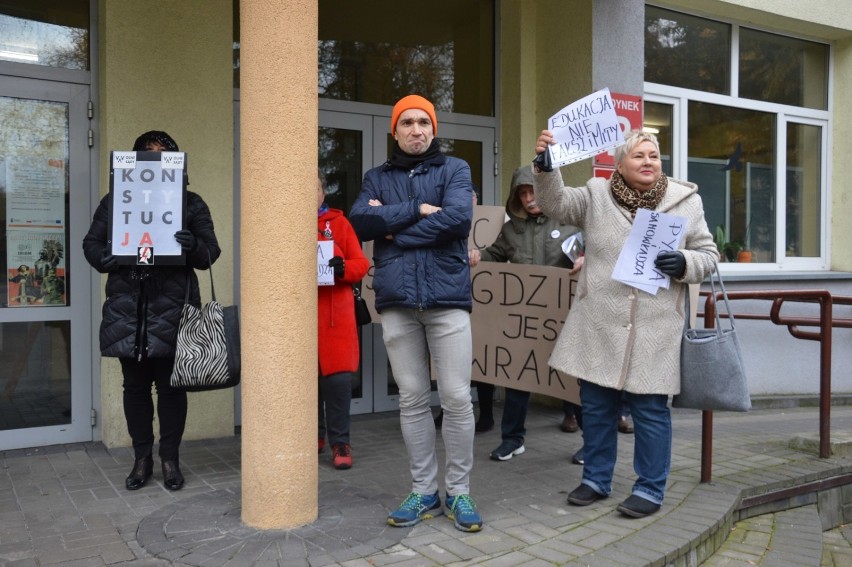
{"x": 617, "y": 338}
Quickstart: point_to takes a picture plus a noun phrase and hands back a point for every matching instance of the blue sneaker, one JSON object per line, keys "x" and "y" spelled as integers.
{"x": 462, "y": 511}
{"x": 414, "y": 508}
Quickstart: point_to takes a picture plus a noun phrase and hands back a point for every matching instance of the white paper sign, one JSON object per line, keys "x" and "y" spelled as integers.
{"x": 584, "y": 129}
{"x": 325, "y": 273}
{"x": 653, "y": 232}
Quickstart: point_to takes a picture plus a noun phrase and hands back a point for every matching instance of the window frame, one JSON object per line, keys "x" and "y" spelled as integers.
{"x": 680, "y": 97}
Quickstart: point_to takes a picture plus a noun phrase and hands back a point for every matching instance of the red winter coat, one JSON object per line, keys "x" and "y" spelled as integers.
{"x": 338, "y": 333}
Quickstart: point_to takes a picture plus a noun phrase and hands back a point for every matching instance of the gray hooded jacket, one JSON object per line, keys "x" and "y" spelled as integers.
{"x": 528, "y": 239}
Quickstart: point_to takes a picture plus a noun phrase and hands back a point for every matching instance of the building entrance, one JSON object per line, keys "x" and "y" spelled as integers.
{"x": 46, "y": 352}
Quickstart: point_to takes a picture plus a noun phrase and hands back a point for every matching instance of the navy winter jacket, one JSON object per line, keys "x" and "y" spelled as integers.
{"x": 424, "y": 265}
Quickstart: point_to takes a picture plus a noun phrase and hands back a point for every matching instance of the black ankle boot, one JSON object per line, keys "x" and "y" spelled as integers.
{"x": 172, "y": 477}
{"x": 142, "y": 470}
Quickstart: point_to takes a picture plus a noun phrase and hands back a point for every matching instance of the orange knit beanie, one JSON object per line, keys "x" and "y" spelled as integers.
{"x": 413, "y": 101}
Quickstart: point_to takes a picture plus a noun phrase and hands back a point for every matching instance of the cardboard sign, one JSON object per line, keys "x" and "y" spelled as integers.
{"x": 518, "y": 311}
{"x": 148, "y": 202}
{"x": 584, "y": 128}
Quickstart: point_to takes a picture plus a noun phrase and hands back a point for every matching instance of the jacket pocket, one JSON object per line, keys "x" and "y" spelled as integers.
{"x": 389, "y": 280}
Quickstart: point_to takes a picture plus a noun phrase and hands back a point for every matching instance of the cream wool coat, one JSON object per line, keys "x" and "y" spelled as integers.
{"x": 615, "y": 335}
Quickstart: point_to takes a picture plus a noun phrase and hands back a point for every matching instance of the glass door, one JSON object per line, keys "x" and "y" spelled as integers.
{"x": 343, "y": 159}
{"x": 46, "y": 349}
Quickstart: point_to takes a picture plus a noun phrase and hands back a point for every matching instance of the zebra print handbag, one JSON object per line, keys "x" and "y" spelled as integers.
{"x": 207, "y": 355}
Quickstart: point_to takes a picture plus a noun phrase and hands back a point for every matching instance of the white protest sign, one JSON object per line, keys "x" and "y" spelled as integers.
{"x": 325, "y": 273}
{"x": 584, "y": 129}
{"x": 147, "y": 207}
{"x": 653, "y": 232}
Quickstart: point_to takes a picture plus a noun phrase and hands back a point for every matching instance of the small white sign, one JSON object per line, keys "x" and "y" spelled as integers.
{"x": 123, "y": 160}
{"x": 584, "y": 129}
{"x": 653, "y": 232}
{"x": 172, "y": 160}
{"x": 325, "y": 273}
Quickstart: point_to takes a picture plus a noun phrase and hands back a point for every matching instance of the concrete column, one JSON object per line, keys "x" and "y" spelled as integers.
{"x": 278, "y": 153}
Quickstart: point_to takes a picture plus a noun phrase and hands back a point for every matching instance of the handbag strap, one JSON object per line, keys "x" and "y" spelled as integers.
{"x": 713, "y": 275}
{"x": 189, "y": 280}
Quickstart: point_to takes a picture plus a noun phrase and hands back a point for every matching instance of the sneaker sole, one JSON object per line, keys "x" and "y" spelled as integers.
{"x": 584, "y": 502}
{"x": 497, "y": 457}
{"x": 427, "y": 515}
{"x": 460, "y": 527}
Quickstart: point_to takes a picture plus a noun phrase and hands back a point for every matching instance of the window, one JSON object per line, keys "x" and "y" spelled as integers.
{"x": 783, "y": 69}
{"x": 686, "y": 51}
{"x": 751, "y": 134}
{"x": 367, "y": 53}
{"x": 40, "y": 32}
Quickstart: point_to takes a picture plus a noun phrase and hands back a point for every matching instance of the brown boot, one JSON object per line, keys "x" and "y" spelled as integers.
{"x": 569, "y": 424}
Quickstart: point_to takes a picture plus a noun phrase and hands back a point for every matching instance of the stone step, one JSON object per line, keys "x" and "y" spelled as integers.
{"x": 789, "y": 538}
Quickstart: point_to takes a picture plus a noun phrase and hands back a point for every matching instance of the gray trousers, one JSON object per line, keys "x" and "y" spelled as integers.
{"x": 413, "y": 339}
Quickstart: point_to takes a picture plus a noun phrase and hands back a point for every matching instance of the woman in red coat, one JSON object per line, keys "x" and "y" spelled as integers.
{"x": 338, "y": 333}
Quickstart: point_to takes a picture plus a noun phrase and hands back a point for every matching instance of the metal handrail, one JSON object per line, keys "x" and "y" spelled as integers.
{"x": 825, "y": 322}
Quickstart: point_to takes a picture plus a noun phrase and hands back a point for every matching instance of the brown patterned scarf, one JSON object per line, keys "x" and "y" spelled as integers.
{"x": 631, "y": 199}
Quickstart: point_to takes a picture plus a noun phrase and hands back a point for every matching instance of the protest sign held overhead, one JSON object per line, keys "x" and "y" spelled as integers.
{"x": 148, "y": 199}
{"x": 584, "y": 129}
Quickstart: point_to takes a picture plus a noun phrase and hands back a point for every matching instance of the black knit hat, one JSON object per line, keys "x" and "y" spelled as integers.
{"x": 141, "y": 143}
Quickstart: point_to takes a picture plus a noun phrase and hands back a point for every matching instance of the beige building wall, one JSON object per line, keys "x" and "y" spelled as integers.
{"x": 841, "y": 165}
{"x": 545, "y": 60}
{"x": 167, "y": 66}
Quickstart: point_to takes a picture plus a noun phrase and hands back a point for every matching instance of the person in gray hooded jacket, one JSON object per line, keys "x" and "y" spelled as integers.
{"x": 528, "y": 237}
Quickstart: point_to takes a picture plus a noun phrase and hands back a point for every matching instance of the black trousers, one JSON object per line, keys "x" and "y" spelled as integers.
{"x": 139, "y": 406}
{"x": 335, "y": 395}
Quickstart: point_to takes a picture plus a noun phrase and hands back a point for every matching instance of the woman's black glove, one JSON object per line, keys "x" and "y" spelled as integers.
{"x": 543, "y": 162}
{"x": 108, "y": 262}
{"x": 671, "y": 263}
{"x": 336, "y": 263}
{"x": 186, "y": 240}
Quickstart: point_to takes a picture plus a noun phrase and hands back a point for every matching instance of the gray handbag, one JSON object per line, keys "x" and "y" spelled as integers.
{"x": 712, "y": 374}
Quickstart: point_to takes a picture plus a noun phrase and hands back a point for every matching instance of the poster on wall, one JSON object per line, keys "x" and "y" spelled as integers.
{"x": 35, "y": 267}
{"x": 35, "y": 230}
{"x": 35, "y": 192}
{"x": 148, "y": 200}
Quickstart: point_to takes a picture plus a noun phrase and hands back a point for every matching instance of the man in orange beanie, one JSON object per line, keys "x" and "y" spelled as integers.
{"x": 418, "y": 209}
{"x": 409, "y": 102}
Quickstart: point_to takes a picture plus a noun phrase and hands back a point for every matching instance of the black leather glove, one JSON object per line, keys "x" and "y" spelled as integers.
{"x": 336, "y": 263}
{"x": 108, "y": 262}
{"x": 186, "y": 240}
{"x": 543, "y": 162}
{"x": 671, "y": 263}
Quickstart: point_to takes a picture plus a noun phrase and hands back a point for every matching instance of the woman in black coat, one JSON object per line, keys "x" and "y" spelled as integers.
{"x": 140, "y": 321}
